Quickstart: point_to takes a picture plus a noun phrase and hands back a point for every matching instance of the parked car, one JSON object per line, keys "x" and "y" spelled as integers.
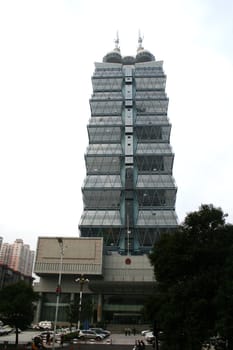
{"x": 101, "y": 331}
{"x": 14, "y": 330}
{"x": 4, "y": 330}
{"x": 149, "y": 337}
{"x": 43, "y": 336}
{"x": 35, "y": 327}
{"x": 89, "y": 334}
{"x": 146, "y": 331}
{"x": 45, "y": 325}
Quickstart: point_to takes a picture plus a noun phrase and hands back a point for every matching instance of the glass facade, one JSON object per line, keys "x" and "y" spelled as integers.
{"x": 129, "y": 193}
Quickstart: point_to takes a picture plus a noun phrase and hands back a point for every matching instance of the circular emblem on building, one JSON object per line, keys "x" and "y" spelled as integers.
{"x": 128, "y": 261}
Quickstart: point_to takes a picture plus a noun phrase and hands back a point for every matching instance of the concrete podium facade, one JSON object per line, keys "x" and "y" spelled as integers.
{"x": 110, "y": 277}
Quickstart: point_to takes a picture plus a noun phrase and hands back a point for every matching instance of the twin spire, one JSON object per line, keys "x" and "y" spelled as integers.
{"x": 140, "y": 40}
{"x": 115, "y": 56}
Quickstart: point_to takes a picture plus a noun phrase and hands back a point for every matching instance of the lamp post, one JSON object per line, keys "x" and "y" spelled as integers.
{"x": 58, "y": 290}
{"x": 81, "y": 280}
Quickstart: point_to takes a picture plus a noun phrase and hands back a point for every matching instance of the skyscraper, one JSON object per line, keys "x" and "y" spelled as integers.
{"x": 129, "y": 195}
{"x": 16, "y": 263}
{"x": 129, "y": 192}
{"x": 18, "y": 257}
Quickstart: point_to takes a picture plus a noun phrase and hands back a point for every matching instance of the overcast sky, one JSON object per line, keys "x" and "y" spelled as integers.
{"x": 47, "y": 54}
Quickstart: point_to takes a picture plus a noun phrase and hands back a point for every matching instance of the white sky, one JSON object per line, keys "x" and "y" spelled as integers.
{"x": 47, "y": 54}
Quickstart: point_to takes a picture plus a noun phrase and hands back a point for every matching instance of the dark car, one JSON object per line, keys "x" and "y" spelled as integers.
{"x": 2, "y": 331}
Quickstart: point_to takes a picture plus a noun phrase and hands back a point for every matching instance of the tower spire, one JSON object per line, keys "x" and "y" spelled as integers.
{"x": 117, "y": 47}
{"x": 140, "y": 39}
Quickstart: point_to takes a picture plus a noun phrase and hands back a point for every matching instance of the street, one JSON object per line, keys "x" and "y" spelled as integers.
{"x": 114, "y": 339}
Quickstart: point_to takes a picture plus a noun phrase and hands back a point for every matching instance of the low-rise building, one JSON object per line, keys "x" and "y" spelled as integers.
{"x": 117, "y": 286}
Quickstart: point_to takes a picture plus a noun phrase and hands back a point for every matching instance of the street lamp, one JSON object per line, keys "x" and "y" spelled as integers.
{"x": 58, "y": 290}
{"x": 81, "y": 280}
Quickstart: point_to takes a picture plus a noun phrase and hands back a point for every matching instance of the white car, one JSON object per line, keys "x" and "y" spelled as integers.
{"x": 150, "y": 337}
{"x": 146, "y": 331}
{"x": 102, "y": 331}
{"x": 45, "y": 325}
{"x": 43, "y": 336}
{"x": 5, "y": 330}
{"x": 88, "y": 334}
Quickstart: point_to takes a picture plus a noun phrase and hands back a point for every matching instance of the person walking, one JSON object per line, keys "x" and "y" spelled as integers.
{"x": 62, "y": 340}
{"x": 142, "y": 345}
{"x": 48, "y": 338}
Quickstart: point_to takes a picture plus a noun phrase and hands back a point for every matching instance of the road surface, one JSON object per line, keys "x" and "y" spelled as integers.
{"x": 114, "y": 339}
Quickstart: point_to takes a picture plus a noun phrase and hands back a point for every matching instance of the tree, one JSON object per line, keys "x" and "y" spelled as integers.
{"x": 86, "y": 312}
{"x": 191, "y": 267}
{"x": 16, "y": 305}
{"x": 224, "y": 301}
{"x": 73, "y": 312}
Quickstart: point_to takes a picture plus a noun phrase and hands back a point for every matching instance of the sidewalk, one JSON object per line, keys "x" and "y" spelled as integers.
{"x": 125, "y": 339}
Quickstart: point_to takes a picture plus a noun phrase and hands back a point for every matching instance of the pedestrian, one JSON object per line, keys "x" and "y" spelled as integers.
{"x": 62, "y": 340}
{"x": 142, "y": 345}
{"x": 48, "y": 338}
{"x": 37, "y": 343}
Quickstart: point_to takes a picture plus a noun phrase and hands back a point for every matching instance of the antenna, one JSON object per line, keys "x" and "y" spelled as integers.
{"x": 117, "y": 42}
{"x": 140, "y": 40}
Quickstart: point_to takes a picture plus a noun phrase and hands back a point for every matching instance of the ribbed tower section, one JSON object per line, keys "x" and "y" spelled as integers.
{"x": 129, "y": 192}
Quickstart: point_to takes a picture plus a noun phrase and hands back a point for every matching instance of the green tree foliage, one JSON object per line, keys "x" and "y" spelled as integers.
{"x": 193, "y": 267}
{"x": 16, "y": 305}
{"x": 73, "y": 312}
{"x": 86, "y": 311}
{"x": 224, "y": 300}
